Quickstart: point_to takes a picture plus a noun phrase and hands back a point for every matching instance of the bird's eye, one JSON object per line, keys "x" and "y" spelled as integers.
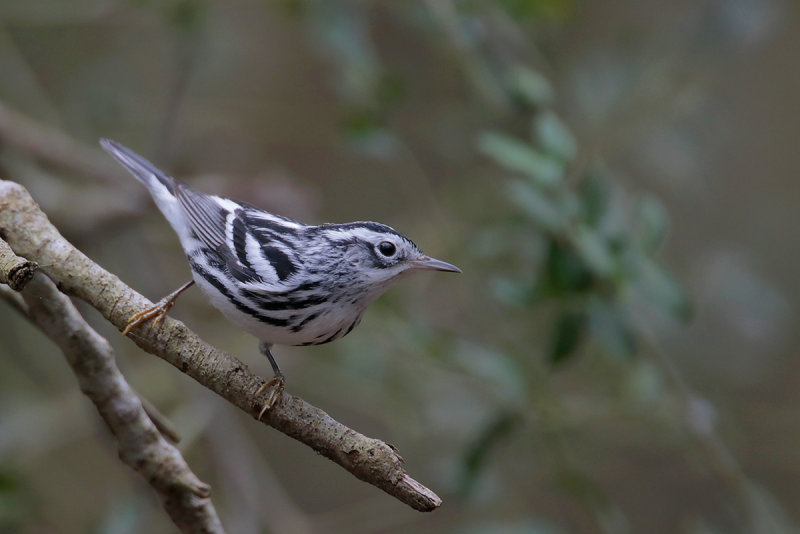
{"x": 387, "y": 248}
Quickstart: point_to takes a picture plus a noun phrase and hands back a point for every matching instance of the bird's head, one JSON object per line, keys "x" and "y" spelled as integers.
{"x": 376, "y": 255}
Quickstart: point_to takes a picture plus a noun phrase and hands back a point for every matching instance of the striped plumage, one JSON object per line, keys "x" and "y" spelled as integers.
{"x": 281, "y": 280}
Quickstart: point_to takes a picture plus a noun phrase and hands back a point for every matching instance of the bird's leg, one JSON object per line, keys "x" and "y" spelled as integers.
{"x": 158, "y": 311}
{"x": 275, "y": 385}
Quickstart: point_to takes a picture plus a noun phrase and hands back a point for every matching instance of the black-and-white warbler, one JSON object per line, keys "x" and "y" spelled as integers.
{"x": 283, "y": 281}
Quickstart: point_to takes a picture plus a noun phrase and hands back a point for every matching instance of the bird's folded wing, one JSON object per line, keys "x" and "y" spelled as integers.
{"x": 206, "y": 216}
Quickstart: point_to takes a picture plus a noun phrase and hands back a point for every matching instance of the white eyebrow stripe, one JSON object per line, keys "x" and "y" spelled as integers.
{"x": 363, "y": 234}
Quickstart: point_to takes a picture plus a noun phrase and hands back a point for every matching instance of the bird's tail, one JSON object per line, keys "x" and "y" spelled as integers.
{"x": 140, "y": 168}
{"x": 162, "y": 187}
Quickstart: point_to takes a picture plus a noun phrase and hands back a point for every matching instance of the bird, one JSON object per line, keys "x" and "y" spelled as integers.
{"x": 283, "y": 281}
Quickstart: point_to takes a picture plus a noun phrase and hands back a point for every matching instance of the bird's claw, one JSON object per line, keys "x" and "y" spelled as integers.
{"x": 157, "y": 313}
{"x": 276, "y": 387}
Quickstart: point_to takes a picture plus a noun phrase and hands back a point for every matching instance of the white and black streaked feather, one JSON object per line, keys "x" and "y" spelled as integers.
{"x": 205, "y": 214}
{"x": 281, "y": 280}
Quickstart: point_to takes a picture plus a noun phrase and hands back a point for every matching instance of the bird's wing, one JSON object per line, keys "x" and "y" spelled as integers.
{"x": 268, "y": 245}
{"x": 206, "y": 215}
{"x": 259, "y": 249}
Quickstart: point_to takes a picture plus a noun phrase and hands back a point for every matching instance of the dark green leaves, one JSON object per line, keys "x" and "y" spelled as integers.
{"x": 600, "y": 244}
{"x": 477, "y": 453}
{"x": 611, "y": 328}
{"x": 594, "y": 193}
{"x": 566, "y": 336}
{"x": 564, "y": 273}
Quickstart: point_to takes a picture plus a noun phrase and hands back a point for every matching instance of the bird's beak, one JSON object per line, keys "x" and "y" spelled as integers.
{"x": 434, "y": 265}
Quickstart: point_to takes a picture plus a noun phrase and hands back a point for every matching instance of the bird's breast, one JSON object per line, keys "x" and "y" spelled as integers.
{"x": 305, "y": 321}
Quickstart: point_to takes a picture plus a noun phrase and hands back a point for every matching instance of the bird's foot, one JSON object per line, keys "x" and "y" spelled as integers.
{"x": 276, "y": 387}
{"x": 156, "y": 312}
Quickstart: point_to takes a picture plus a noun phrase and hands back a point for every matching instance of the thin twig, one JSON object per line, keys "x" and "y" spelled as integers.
{"x": 184, "y": 496}
{"x": 163, "y": 424}
{"x": 31, "y": 235}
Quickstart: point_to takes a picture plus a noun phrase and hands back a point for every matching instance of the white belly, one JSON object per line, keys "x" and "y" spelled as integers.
{"x": 327, "y": 325}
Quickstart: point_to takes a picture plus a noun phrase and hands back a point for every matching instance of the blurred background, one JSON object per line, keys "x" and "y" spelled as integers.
{"x": 618, "y": 181}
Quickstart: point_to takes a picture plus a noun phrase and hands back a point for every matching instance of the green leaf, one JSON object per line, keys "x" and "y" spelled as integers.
{"x": 595, "y": 194}
{"x": 567, "y": 335}
{"x": 536, "y": 205}
{"x": 517, "y": 156}
{"x": 530, "y": 85}
{"x": 594, "y": 250}
{"x": 564, "y": 272}
{"x": 659, "y": 289}
{"x": 611, "y": 328}
{"x": 653, "y": 222}
{"x": 487, "y": 439}
{"x": 553, "y": 136}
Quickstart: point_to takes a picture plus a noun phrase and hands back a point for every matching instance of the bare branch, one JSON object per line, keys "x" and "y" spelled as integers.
{"x": 14, "y": 271}
{"x": 141, "y": 445}
{"x": 30, "y": 234}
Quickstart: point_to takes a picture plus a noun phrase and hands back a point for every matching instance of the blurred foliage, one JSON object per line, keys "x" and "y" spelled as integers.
{"x": 592, "y": 264}
{"x": 15, "y": 502}
{"x": 568, "y": 381}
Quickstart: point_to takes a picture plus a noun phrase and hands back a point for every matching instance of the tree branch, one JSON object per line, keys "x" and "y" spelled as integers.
{"x": 31, "y": 235}
{"x": 16, "y": 272}
{"x": 141, "y": 445}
